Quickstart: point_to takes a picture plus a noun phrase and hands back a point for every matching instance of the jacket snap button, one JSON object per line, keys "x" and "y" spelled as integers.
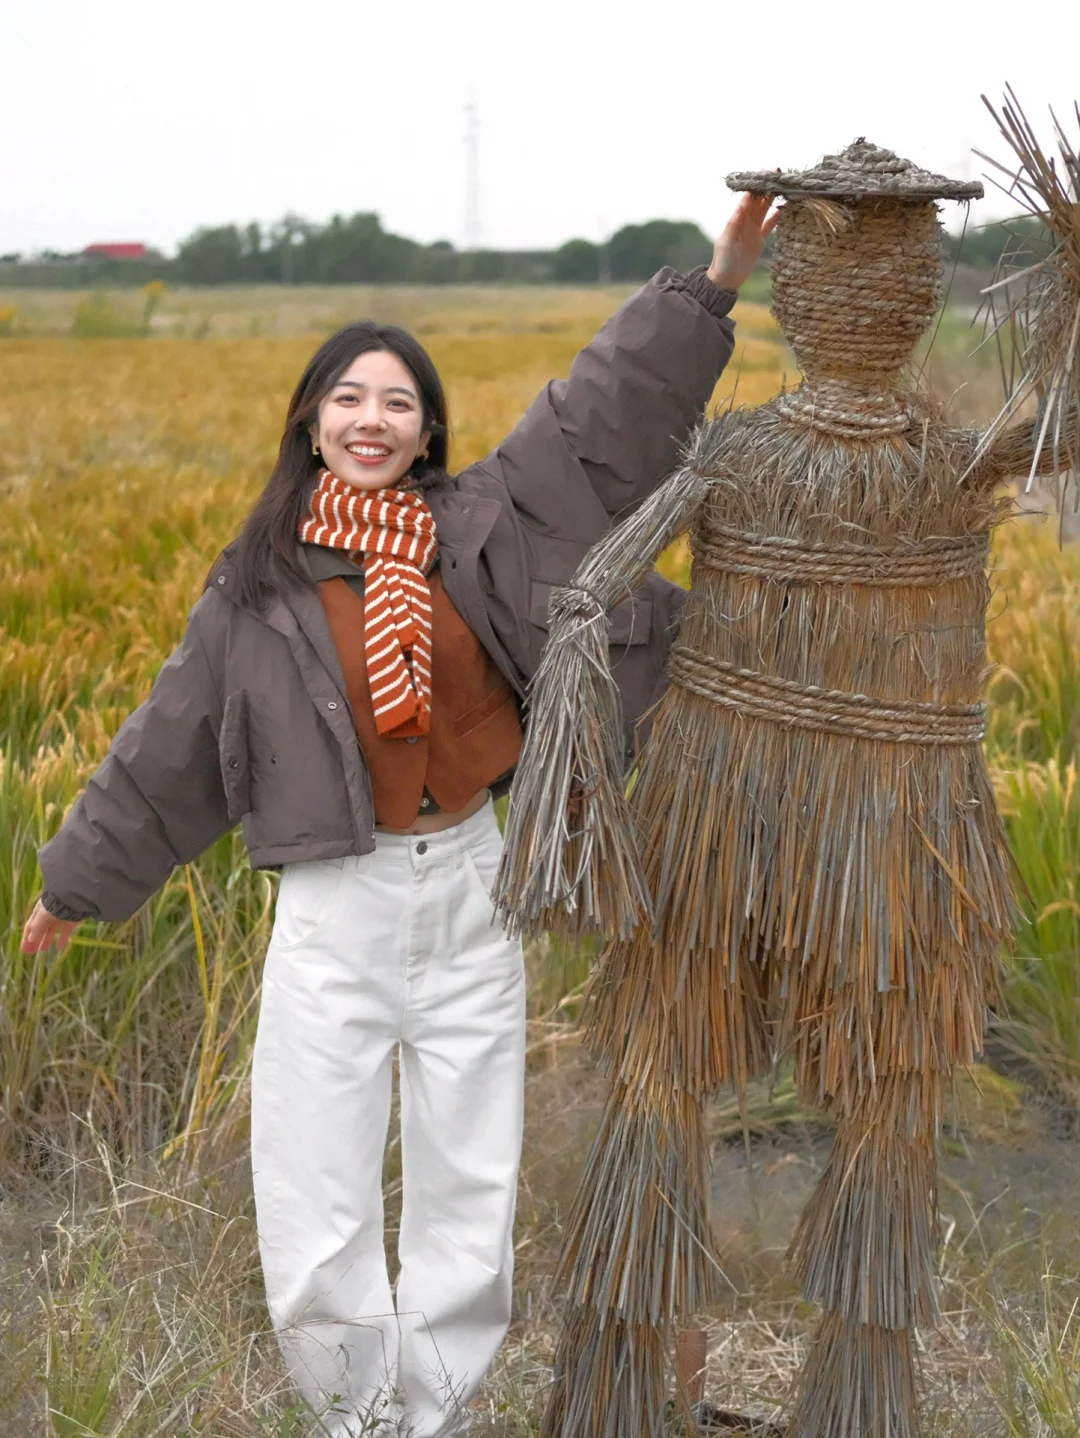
{"x": 421, "y": 848}
{"x": 234, "y": 763}
{"x": 464, "y": 509}
{"x": 221, "y": 579}
{"x": 331, "y": 704}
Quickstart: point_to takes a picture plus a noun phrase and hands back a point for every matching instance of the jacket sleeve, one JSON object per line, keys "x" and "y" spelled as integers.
{"x": 632, "y": 397}
{"x": 157, "y": 799}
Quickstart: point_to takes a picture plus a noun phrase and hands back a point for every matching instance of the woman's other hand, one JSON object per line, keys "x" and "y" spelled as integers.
{"x": 739, "y": 248}
{"x": 43, "y": 930}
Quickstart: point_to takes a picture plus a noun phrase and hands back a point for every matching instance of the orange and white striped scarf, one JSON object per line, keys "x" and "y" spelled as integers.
{"x": 391, "y": 534}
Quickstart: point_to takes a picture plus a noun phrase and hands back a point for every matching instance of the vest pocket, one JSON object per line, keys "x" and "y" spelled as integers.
{"x": 490, "y": 704}
{"x": 235, "y": 756}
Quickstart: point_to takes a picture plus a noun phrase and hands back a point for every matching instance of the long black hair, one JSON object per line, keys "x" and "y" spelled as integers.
{"x": 265, "y": 553}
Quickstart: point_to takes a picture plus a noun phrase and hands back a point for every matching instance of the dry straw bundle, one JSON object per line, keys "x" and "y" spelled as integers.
{"x": 1042, "y": 313}
{"x": 810, "y": 861}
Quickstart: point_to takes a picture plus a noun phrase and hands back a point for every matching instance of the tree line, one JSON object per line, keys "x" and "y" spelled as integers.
{"x": 355, "y": 249}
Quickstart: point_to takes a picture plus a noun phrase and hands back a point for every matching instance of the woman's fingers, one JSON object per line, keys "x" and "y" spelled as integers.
{"x": 43, "y": 930}
{"x": 740, "y": 245}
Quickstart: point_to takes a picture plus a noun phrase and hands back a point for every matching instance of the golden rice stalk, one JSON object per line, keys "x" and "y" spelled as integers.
{"x": 1043, "y": 313}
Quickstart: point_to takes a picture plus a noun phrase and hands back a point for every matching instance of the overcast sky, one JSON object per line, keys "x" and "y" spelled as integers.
{"x": 140, "y": 121}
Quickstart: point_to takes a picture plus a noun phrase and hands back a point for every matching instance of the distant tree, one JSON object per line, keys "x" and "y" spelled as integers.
{"x": 440, "y": 264}
{"x": 211, "y": 257}
{"x": 287, "y": 242}
{"x": 577, "y": 263}
{"x": 636, "y": 252}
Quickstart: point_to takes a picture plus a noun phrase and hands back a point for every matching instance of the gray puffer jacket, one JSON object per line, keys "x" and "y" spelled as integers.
{"x": 248, "y": 720}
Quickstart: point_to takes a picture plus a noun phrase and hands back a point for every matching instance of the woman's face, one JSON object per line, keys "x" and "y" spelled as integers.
{"x": 369, "y": 425}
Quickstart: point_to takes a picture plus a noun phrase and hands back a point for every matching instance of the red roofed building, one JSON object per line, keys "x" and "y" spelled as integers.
{"x": 115, "y": 252}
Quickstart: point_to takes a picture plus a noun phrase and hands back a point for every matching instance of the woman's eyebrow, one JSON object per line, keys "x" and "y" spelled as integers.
{"x": 390, "y": 389}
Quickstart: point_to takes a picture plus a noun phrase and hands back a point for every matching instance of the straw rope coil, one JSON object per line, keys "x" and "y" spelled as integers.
{"x": 927, "y": 563}
{"x": 828, "y": 711}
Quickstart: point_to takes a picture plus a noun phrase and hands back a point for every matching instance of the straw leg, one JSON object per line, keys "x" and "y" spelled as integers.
{"x": 865, "y": 1250}
{"x": 637, "y": 1255}
{"x": 859, "y": 1382}
{"x": 609, "y": 1379}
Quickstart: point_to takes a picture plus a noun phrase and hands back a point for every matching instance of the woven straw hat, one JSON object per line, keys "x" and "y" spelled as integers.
{"x": 862, "y": 171}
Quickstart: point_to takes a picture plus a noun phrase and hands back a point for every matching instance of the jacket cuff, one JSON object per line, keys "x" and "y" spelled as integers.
{"x": 717, "y": 301}
{"x": 59, "y": 910}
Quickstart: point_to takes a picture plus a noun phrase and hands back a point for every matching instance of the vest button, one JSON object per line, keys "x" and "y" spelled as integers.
{"x": 411, "y": 740}
{"x": 421, "y": 848}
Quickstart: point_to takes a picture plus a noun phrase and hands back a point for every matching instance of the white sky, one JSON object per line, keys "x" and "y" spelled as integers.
{"x": 125, "y": 120}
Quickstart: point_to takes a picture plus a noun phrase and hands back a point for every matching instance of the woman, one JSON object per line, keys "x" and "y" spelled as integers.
{"x": 350, "y": 687}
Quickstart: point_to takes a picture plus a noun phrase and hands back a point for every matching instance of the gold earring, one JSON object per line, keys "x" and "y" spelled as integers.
{"x": 314, "y": 445}
{"x": 423, "y": 454}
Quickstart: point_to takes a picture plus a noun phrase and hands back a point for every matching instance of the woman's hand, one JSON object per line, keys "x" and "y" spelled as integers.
{"x": 44, "y": 929}
{"x": 739, "y": 248}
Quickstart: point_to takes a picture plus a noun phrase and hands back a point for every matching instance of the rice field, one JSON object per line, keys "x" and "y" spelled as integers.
{"x": 130, "y": 1300}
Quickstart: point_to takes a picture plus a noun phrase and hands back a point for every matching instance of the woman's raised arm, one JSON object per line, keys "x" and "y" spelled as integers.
{"x": 637, "y": 390}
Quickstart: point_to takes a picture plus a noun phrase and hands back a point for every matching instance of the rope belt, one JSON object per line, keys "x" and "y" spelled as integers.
{"x": 828, "y": 711}
{"x": 926, "y": 565}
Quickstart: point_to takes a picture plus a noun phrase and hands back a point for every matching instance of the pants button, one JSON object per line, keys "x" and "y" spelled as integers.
{"x": 421, "y": 848}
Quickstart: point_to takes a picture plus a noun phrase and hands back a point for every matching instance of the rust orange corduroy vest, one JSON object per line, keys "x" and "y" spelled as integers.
{"x": 475, "y": 732}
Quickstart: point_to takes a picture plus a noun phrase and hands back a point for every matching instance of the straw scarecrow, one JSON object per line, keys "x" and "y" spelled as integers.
{"x": 810, "y": 861}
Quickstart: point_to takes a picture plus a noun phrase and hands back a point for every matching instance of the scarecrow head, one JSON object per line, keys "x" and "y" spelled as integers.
{"x": 857, "y": 275}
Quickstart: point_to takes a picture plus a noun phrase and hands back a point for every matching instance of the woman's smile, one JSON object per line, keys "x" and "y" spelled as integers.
{"x": 369, "y": 454}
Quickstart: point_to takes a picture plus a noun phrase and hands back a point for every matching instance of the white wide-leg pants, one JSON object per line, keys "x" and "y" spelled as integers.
{"x": 395, "y": 949}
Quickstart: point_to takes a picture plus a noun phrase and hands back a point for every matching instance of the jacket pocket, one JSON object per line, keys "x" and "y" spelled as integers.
{"x": 631, "y": 621}
{"x": 235, "y": 756}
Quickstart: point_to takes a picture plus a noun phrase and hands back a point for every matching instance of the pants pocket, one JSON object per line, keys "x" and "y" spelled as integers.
{"x": 306, "y": 899}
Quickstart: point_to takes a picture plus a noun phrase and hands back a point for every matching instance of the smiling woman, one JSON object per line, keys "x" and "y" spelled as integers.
{"x": 350, "y": 687}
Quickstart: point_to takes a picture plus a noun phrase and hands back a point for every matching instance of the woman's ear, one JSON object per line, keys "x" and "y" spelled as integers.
{"x": 313, "y": 434}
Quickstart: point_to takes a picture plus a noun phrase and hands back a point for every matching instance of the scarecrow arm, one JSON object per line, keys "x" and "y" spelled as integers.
{"x": 1028, "y": 451}
{"x": 570, "y": 864}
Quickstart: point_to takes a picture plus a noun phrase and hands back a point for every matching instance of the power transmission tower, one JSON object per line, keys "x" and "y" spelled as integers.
{"x": 472, "y": 175}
